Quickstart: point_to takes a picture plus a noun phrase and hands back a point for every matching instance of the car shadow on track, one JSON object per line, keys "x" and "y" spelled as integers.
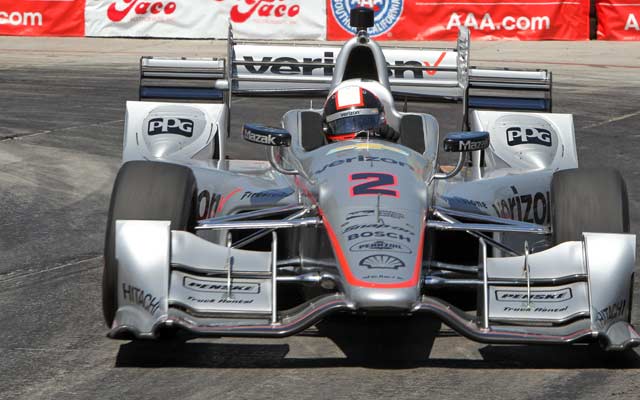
{"x": 371, "y": 343}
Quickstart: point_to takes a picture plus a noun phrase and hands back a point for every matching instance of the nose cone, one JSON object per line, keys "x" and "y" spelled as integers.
{"x": 373, "y": 205}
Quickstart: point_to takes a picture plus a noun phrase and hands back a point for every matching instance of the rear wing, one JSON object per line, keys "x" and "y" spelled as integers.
{"x": 270, "y": 69}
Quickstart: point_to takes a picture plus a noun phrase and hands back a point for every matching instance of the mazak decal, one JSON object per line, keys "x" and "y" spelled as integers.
{"x": 176, "y": 126}
{"x": 534, "y": 208}
{"x": 381, "y": 245}
{"x": 386, "y": 14}
{"x": 141, "y": 298}
{"x": 381, "y": 261}
{"x": 612, "y": 311}
{"x": 551, "y": 296}
{"x": 211, "y": 286}
{"x": 358, "y": 159}
{"x": 518, "y": 135}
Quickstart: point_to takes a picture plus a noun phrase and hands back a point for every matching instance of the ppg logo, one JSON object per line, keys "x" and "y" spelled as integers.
{"x": 517, "y": 135}
{"x": 176, "y": 126}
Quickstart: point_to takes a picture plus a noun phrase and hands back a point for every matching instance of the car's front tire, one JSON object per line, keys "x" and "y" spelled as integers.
{"x": 588, "y": 200}
{"x": 145, "y": 190}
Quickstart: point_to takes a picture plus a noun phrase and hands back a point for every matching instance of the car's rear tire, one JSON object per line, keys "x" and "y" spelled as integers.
{"x": 145, "y": 190}
{"x": 588, "y": 200}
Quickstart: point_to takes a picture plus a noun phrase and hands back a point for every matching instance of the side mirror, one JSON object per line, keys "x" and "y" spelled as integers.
{"x": 457, "y": 142}
{"x": 270, "y": 136}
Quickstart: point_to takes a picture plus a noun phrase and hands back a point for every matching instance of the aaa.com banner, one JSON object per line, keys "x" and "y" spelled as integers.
{"x": 42, "y": 17}
{"x": 268, "y": 19}
{"x": 618, "y": 19}
{"x": 487, "y": 19}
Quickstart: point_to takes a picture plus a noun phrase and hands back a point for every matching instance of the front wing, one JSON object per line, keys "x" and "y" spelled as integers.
{"x": 571, "y": 292}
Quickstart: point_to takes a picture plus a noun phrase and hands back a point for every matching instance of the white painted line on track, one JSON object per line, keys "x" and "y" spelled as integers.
{"x": 19, "y": 136}
{"x": 610, "y": 120}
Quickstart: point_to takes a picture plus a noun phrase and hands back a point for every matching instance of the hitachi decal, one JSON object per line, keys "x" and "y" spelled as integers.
{"x": 139, "y": 297}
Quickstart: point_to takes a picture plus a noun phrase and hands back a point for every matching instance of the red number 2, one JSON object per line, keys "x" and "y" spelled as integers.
{"x": 373, "y": 185}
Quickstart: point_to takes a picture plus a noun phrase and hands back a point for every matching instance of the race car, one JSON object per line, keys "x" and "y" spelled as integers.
{"x": 355, "y": 212}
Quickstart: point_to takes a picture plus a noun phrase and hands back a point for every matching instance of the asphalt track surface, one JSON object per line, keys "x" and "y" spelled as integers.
{"x": 61, "y": 122}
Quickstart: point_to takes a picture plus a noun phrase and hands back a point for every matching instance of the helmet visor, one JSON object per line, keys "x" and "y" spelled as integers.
{"x": 365, "y": 120}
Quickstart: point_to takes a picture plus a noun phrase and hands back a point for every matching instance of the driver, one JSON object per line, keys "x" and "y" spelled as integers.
{"x": 354, "y": 111}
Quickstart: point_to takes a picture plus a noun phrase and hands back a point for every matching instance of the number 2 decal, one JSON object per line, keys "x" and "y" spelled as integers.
{"x": 374, "y": 184}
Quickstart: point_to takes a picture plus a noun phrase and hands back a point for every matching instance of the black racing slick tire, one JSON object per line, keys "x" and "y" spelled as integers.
{"x": 588, "y": 200}
{"x": 145, "y": 190}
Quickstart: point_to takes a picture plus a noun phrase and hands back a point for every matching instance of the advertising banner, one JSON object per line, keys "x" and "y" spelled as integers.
{"x": 258, "y": 19}
{"x": 42, "y": 17}
{"x": 486, "y": 19}
{"x": 618, "y": 19}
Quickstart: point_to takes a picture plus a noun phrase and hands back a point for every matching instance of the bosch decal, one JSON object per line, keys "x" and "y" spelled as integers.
{"x": 378, "y": 234}
{"x": 386, "y": 14}
{"x": 533, "y": 208}
{"x": 381, "y": 245}
{"x": 381, "y": 261}
{"x": 141, "y": 298}
{"x": 176, "y": 126}
{"x": 518, "y": 135}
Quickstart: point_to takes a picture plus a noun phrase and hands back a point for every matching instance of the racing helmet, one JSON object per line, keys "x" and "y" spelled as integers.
{"x": 353, "y": 111}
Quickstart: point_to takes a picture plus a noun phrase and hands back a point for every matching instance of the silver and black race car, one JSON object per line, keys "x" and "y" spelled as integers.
{"x": 363, "y": 226}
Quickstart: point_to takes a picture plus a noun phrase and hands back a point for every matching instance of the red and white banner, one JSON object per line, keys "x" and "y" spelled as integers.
{"x": 618, "y": 19}
{"x": 258, "y": 19}
{"x": 42, "y": 17}
{"x": 486, "y": 19}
